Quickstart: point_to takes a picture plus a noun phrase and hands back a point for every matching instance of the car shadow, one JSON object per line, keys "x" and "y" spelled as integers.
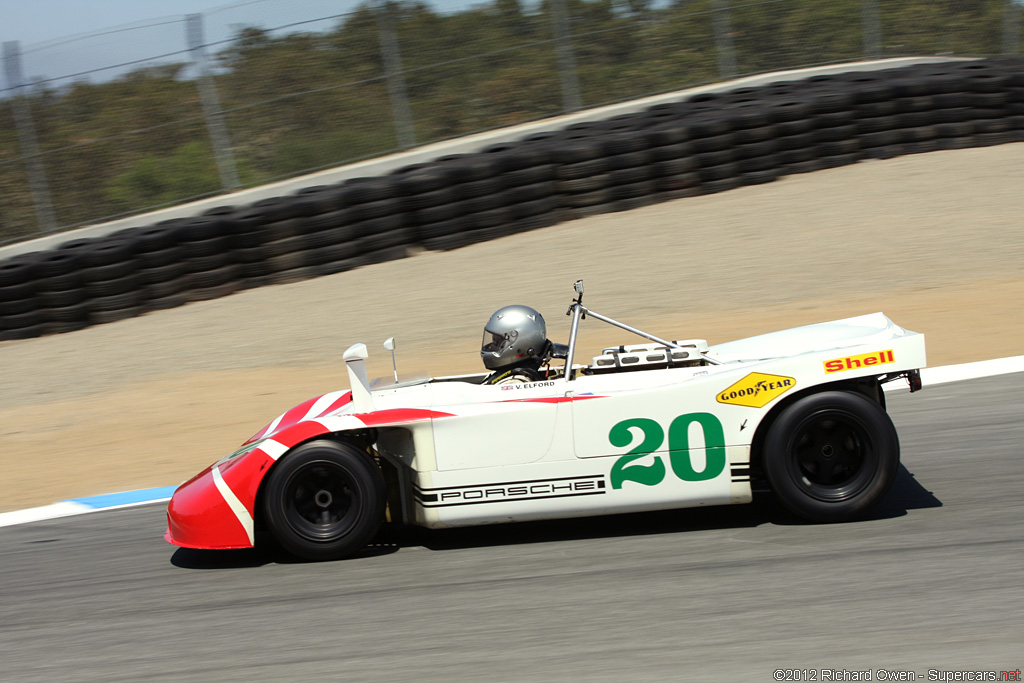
{"x": 906, "y": 494}
{"x": 266, "y": 552}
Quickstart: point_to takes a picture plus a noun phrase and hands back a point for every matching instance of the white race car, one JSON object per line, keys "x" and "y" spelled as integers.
{"x": 663, "y": 424}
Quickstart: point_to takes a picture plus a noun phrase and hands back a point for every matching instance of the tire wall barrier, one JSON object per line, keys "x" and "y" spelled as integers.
{"x": 705, "y": 143}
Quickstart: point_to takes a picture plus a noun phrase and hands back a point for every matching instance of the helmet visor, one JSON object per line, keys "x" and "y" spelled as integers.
{"x": 496, "y": 342}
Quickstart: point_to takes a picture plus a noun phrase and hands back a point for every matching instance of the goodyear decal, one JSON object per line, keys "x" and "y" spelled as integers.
{"x": 862, "y": 361}
{"x": 756, "y": 390}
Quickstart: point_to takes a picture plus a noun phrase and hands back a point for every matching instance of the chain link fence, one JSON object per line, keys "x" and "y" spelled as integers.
{"x": 123, "y": 121}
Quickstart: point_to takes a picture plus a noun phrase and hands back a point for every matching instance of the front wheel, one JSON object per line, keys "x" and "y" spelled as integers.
{"x": 830, "y": 456}
{"x": 324, "y": 500}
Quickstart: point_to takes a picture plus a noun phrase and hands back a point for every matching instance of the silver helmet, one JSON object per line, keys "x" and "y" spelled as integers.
{"x": 514, "y": 334}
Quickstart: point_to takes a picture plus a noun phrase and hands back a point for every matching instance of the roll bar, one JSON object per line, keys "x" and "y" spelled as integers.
{"x": 577, "y": 311}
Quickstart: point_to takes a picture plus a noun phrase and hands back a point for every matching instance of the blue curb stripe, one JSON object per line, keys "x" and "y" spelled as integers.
{"x": 126, "y": 498}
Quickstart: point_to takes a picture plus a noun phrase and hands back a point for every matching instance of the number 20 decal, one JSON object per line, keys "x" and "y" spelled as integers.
{"x": 678, "y": 450}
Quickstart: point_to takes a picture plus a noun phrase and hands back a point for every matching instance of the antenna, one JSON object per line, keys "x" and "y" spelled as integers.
{"x": 389, "y": 345}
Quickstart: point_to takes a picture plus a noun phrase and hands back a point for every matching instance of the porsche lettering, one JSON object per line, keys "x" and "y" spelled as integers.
{"x": 521, "y": 490}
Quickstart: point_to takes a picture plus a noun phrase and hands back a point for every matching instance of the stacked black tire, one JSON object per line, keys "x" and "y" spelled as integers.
{"x": 707, "y": 143}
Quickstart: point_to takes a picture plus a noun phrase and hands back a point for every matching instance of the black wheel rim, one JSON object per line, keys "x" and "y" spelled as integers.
{"x": 833, "y": 457}
{"x": 320, "y": 501}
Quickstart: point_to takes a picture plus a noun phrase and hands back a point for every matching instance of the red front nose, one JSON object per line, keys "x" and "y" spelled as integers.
{"x": 198, "y": 516}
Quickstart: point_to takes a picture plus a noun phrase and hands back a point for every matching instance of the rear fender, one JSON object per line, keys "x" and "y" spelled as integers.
{"x": 866, "y": 386}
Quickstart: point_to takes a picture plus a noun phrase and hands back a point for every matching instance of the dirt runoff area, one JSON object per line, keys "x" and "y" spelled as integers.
{"x": 936, "y": 241}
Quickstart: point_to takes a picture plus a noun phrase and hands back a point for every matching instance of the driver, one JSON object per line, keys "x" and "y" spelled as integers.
{"x": 515, "y": 345}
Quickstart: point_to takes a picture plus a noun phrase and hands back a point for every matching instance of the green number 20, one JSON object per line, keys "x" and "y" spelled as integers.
{"x": 678, "y": 450}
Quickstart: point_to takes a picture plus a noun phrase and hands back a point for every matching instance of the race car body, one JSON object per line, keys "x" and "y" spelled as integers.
{"x": 664, "y": 424}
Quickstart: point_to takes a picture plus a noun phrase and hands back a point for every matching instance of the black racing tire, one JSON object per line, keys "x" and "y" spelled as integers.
{"x": 487, "y": 202}
{"x": 129, "y": 299}
{"x": 324, "y": 500}
{"x": 835, "y": 119}
{"x": 369, "y": 189}
{"x": 112, "y": 316}
{"x": 625, "y": 191}
{"x": 677, "y": 182}
{"x": 914, "y": 119}
{"x": 24, "y": 290}
{"x": 529, "y": 193}
{"x": 796, "y": 167}
{"x": 870, "y": 110}
{"x": 206, "y": 247}
{"x": 831, "y": 456}
{"x": 715, "y": 143}
{"x": 57, "y": 298}
{"x": 58, "y": 263}
{"x": 670, "y": 167}
{"x": 679, "y": 150}
{"x": 478, "y": 188}
{"x": 111, "y": 271}
{"x": 18, "y": 321}
{"x": 641, "y": 157}
{"x": 160, "y": 258}
{"x": 720, "y": 172}
{"x": 210, "y": 293}
{"x": 424, "y": 200}
{"x": 73, "y": 313}
{"x": 15, "y": 272}
{"x": 109, "y": 288}
{"x": 533, "y": 207}
{"x": 171, "y": 271}
{"x": 528, "y": 176}
{"x": 582, "y": 169}
{"x": 329, "y": 220}
{"x": 588, "y": 184}
{"x": 533, "y": 222}
{"x": 17, "y": 306}
{"x": 790, "y": 110}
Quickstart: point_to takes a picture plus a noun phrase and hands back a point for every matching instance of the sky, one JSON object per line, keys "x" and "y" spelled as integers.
{"x": 39, "y": 21}
{"x": 61, "y": 40}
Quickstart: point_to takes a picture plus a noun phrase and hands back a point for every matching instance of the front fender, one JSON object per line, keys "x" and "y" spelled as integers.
{"x": 216, "y": 508}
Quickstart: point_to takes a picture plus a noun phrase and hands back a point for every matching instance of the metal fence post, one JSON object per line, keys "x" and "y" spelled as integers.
{"x": 1011, "y": 27}
{"x": 571, "y": 100}
{"x": 872, "y": 29}
{"x": 400, "y": 111}
{"x": 723, "y": 39}
{"x": 212, "y": 112}
{"x": 34, "y": 169}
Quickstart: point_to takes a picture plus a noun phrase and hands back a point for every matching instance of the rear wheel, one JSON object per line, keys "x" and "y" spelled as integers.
{"x": 324, "y": 500}
{"x": 830, "y": 456}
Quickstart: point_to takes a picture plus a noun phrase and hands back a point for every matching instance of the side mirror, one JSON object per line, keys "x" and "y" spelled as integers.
{"x": 355, "y": 359}
{"x": 389, "y": 345}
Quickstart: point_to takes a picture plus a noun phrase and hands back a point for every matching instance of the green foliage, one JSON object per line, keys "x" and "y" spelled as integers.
{"x": 188, "y": 171}
{"x": 302, "y": 101}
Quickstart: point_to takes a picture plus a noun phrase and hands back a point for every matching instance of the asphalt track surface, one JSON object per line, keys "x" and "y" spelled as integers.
{"x": 934, "y": 580}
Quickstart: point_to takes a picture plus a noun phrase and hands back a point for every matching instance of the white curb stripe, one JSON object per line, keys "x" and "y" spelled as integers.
{"x": 62, "y": 509}
{"x": 964, "y": 371}
{"x": 975, "y": 370}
